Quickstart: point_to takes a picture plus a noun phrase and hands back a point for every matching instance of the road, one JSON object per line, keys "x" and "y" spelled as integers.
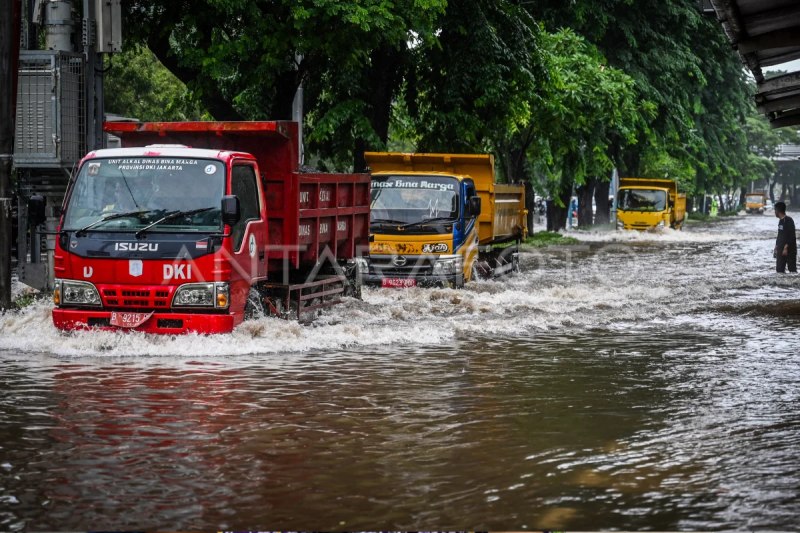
{"x": 637, "y": 381}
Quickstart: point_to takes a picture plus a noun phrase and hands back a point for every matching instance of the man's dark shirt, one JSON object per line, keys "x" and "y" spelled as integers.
{"x": 786, "y": 235}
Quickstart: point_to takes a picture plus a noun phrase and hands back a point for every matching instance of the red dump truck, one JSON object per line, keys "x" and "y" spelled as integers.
{"x": 190, "y": 226}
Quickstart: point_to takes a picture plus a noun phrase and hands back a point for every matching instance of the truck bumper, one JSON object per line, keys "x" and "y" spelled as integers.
{"x": 376, "y": 280}
{"x": 164, "y": 323}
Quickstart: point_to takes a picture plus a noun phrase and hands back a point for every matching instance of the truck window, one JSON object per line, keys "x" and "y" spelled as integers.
{"x": 152, "y": 186}
{"x": 642, "y": 200}
{"x": 410, "y": 199}
{"x": 243, "y": 185}
{"x": 470, "y": 186}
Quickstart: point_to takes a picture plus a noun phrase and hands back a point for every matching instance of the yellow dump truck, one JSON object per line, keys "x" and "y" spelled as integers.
{"x": 645, "y": 204}
{"x": 755, "y": 202}
{"x": 437, "y": 220}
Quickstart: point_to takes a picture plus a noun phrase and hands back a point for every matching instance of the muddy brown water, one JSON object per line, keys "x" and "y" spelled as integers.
{"x": 631, "y": 382}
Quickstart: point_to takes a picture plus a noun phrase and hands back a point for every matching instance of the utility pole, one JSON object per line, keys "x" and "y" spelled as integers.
{"x": 9, "y": 24}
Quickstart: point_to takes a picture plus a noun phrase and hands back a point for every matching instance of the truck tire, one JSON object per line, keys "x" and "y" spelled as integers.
{"x": 473, "y": 275}
{"x": 255, "y": 308}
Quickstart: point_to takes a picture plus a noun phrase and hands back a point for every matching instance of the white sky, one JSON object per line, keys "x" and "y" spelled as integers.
{"x": 791, "y": 66}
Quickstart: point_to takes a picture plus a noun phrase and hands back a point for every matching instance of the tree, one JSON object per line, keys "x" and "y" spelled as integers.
{"x": 244, "y": 59}
{"x": 139, "y": 86}
{"x": 591, "y": 107}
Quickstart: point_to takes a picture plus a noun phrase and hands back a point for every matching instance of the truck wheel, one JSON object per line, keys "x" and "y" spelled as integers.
{"x": 353, "y": 286}
{"x": 515, "y": 268}
{"x": 254, "y": 309}
{"x": 473, "y": 275}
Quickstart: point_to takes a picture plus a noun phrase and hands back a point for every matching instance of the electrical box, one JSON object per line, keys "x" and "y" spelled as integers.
{"x": 51, "y": 97}
{"x": 108, "y": 16}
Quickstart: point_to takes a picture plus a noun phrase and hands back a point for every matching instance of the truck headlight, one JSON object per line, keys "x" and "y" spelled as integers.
{"x": 194, "y": 295}
{"x": 660, "y": 224}
{"x": 620, "y": 224}
{"x": 362, "y": 263}
{"x": 447, "y": 265}
{"x": 69, "y": 292}
{"x": 203, "y": 295}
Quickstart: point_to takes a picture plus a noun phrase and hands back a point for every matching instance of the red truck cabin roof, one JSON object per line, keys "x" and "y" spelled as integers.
{"x": 167, "y": 151}
{"x": 273, "y": 144}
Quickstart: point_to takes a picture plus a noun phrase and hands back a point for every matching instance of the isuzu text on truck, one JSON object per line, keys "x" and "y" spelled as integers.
{"x": 436, "y": 219}
{"x": 191, "y": 224}
{"x": 647, "y": 204}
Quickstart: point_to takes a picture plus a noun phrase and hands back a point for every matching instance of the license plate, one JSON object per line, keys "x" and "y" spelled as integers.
{"x": 129, "y": 320}
{"x": 398, "y": 283}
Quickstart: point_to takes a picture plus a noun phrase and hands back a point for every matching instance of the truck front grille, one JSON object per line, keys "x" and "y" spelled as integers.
{"x": 136, "y": 297}
{"x": 415, "y": 266}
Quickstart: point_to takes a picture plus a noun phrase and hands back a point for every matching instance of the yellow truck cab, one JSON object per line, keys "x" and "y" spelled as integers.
{"x": 436, "y": 220}
{"x": 645, "y": 204}
{"x": 755, "y": 202}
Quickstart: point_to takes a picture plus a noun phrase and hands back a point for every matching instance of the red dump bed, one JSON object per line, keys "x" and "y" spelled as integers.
{"x": 307, "y": 213}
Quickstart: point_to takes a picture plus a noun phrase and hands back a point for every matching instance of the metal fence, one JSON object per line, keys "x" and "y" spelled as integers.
{"x": 51, "y": 101}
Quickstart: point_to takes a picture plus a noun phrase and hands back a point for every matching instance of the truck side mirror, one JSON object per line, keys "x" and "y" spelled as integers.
{"x": 474, "y": 207}
{"x": 231, "y": 210}
{"x": 36, "y": 213}
{"x": 672, "y": 203}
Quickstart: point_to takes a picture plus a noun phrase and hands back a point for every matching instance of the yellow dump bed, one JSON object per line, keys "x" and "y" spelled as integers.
{"x": 503, "y": 206}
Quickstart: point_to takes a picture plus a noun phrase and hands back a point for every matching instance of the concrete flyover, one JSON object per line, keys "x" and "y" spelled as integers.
{"x": 766, "y": 33}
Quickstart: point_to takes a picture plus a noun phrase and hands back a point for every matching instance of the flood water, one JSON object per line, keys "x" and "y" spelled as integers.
{"x": 637, "y": 381}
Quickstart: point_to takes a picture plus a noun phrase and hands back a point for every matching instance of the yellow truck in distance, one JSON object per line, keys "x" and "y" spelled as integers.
{"x": 436, "y": 220}
{"x": 646, "y": 204}
{"x": 755, "y": 202}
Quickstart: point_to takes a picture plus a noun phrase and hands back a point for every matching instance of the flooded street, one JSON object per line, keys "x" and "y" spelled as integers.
{"x": 635, "y": 381}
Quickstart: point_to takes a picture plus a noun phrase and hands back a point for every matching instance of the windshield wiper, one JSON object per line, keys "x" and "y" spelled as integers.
{"x": 83, "y": 230}
{"x": 386, "y": 221}
{"x": 170, "y": 216}
{"x": 427, "y": 221}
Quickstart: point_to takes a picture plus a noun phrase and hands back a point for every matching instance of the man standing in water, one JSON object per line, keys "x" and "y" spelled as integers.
{"x": 786, "y": 244}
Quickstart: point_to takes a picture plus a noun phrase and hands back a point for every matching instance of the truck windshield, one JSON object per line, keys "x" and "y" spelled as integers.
{"x": 146, "y": 189}
{"x": 642, "y": 200}
{"x": 411, "y": 199}
{"x": 755, "y": 199}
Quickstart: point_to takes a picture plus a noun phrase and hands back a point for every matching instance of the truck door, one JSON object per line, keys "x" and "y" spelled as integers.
{"x": 250, "y": 233}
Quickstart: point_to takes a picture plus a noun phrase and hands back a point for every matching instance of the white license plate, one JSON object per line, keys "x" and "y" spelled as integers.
{"x": 129, "y": 320}
{"x": 398, "y": 283}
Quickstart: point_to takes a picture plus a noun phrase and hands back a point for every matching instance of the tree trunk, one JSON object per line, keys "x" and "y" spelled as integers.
{"x": 359, "y": 163}
{"x": 602, "y": 190}
{"x": 784, "y": 190}
{"x": 550, "y": 212}
{"x": 772, "y": 191}
{"x": 560, "y": 214}
{"x": 585, "y": 193}
{"x": 689, "y": 204}
{"x": 742, "y": 196}
{"x": 211, "y": 97}
{"x": 383, "y": 78}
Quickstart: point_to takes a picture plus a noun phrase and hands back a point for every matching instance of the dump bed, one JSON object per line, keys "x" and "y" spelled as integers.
{"x": 503, "y": 206}
{"x": 306, "y": 212}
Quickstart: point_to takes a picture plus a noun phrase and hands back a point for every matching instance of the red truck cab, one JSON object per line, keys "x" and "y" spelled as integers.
{"x": 162, "y": 237}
